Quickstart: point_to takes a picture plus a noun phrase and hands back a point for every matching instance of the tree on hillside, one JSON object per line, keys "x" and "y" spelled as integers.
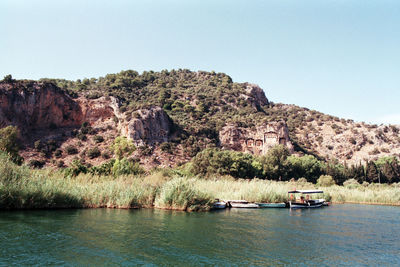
{"x": 306, "y": 166}
{"x": 9, "y": 143}
{"x": 356, "y": 172}
{"x": 163, "y": 96}
{"x": 371, "y": 172}
{"x": 8, "y": 78}
{"x": 274, "y": 163}
{"x": 336, "y": 170}
{"x": 225, "y": 162}
{"x": 389, "y": 168}
{"x": 122, "y": 146}
{"x": 8, "y": 139}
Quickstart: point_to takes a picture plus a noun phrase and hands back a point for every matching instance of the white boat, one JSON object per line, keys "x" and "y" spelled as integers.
{"x": 219, "y": 205}
{"x": 305, "y": 202}
{"x": 244, "y": 205}
{"x": 271, "y": 205}
{"x": 241, "y": 204}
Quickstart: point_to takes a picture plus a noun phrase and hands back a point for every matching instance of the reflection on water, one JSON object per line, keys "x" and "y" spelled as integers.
{"x": 338, "y": 235}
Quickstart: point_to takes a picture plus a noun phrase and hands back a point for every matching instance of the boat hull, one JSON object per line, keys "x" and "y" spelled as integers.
{"x": 296, "y": 205}
{"x": 244, "y": 205}
{"x": 219, "y": 205}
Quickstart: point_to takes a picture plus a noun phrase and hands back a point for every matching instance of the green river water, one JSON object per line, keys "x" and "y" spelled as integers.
{"x": 352, "y": 235}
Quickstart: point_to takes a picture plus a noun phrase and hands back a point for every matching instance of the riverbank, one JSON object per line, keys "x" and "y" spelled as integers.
{"x": 24, "y": 188}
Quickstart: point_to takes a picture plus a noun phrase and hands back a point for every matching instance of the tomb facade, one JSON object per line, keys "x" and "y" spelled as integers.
{"x": 257, "y": 140}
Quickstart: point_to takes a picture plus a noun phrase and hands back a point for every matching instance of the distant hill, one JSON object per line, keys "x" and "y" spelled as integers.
{"x": 171, "y": 116}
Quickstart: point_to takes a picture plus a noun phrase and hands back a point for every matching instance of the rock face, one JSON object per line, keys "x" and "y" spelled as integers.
{"x": 97, "y": 110}
{"x": 257, "y": 141}
{"x": 256, "y": 95}
{"x": 151, "y": 126}
{"x": 37, "y": 105}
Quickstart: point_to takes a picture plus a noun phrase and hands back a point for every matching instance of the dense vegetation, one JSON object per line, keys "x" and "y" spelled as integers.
{"x": 22, "y": 188}
{"x": 277, "y": 164}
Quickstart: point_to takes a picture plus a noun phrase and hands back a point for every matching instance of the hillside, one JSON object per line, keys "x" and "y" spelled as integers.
{"x": 170, "y": 116}
{"x": 332, "y": 138}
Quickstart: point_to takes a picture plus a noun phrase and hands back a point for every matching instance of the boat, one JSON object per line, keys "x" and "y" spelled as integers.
{"x": 271, "y": 205}
{"x": 242, "y": 204}
{"x": 245, "y": 205}
{"x": 219, "y": 205}
{"x": 305, "y": 202}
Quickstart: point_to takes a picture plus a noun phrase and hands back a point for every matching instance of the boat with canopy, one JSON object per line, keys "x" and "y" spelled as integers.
{"x": 305, "y": 201}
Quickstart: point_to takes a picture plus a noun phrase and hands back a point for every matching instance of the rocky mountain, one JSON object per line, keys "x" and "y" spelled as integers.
{"x": 172, "y": 115}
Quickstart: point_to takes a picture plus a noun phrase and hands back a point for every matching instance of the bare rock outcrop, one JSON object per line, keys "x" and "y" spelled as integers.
{"x": 256, "y": 95}
{"x": 98, "y": 110}
{"x": 148, "y": 127}
{"x": 42, "y": 105}
{"x": 37, "y": 105}
{"x": 257, "y": 141}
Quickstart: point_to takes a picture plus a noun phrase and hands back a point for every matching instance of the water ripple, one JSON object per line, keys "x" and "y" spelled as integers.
{"x": 346, "y": 235}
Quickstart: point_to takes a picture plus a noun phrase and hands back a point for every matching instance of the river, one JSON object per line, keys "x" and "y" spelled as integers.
{"x": 352, "y": 235}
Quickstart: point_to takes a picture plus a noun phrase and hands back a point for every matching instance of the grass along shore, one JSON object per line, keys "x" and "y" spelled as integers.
{"x": 24, "y": 188}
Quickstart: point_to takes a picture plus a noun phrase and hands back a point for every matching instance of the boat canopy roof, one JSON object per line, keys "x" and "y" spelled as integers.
{"x": 305, "y": 191}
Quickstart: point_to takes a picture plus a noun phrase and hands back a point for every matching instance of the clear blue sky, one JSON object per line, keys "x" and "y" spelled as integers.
{"x": 338, "y": 57}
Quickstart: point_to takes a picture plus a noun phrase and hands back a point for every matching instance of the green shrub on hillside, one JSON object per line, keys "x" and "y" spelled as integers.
{"x": 325, "y": 180}
{"x": 166, "y": 147}
{"x": 36, "y": 163}
{"x": 103, "y": 169}
{"x": 8, "y": 79}
{"x": 98, "y": 139}
{"x": 122, "y": 147}
{"x": 126, "y": 167}
{"x": 93, "y": 153}
{"x": 9, "y": 140}
{"x": 76, "y": 167}
{"x": 71, "y": 150}
{"x": 58, "y": 153}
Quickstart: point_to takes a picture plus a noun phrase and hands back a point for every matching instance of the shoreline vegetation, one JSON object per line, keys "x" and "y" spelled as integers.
{"x": 24, "y": 188}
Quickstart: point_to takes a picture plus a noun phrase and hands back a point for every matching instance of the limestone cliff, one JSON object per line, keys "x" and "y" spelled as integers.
{"x": 37, "y": 105}
{"x": 150, "y": 126}
{"x": 255, "y": 141}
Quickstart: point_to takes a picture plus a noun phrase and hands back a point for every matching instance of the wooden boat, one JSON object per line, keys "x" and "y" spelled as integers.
{"x": 219, "y": 205}
{"x": 242, "y": 204}
{"x": 305, "y": 202}
{"x": 271, "y": 205}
